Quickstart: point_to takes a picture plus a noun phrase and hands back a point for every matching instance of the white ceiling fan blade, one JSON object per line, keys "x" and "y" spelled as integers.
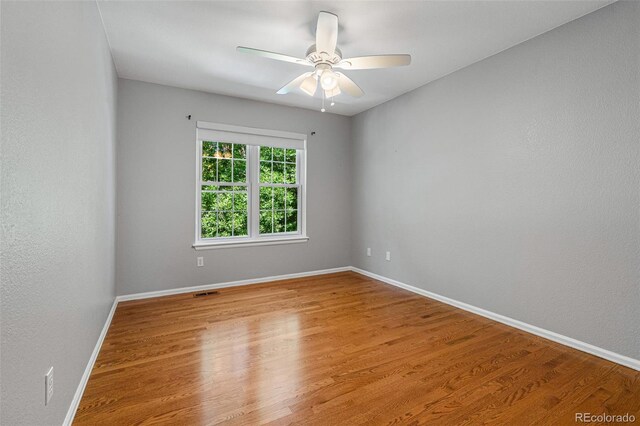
{"x": 327, "y": 33}
{"x": 273, "y": 55}
{"x": 296, "y": 82}
{"x": 347, "y": 85}
{"x": 376, "y": 61}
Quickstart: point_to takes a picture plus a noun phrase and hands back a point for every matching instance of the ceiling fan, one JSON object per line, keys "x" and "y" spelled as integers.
{"x": 325, "y": 56}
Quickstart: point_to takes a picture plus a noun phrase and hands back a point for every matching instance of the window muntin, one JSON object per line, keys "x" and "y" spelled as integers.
{"x": 248, "y": 193}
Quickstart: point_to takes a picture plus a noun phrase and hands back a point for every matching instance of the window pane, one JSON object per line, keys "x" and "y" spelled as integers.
{"x": 239, "y": 151}
{"x": 208, "y": 225}
{"x": 290, "y": 173}
{"x": 278, "y": 172}
{"x": 265, "y": 153}
{"x": 292, "y": 220}
{"x": 240, "y": 201}
{"x": 265, "y": 171}
{"x": 265, "y": 222}
{"x": 225, "y": 199}
{"x": 225, "y": 224}
{"x": 278, "y": 154}
{"x": 224, "y": 170}
{"x": 291, "y": 200}
{"x": 278, "y": 198}
{"x": 239, "y": 171}
{"x": 278, "y": 221}
{"x": 226, "y": 149}
{"x": 266, "y": 198}
{"x": 208, "y": 201}
{"x": 290, "y": 155}
{"x": 240, "y": 224}
{"x": 225, "y": 206}
{"x": 209, "y": 169}
{"x": 208, "y": 148}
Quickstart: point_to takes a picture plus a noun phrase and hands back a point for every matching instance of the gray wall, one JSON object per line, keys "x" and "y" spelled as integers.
{"x": 156, "y": 189}
{"x": 58, "y": 92}
{"x": 513, "y": 184}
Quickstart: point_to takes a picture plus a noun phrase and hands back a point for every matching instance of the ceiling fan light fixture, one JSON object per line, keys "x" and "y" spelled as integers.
{"x": 333, "y": 92}
{"x": 328, "y": 80}
{"x": 309, "y": 85}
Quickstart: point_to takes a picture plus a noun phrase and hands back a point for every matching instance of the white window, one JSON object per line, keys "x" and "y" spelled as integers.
{"x": 250, "y": 186}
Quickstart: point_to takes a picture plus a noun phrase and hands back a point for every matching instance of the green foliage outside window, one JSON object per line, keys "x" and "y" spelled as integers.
{"x": 224, "y": 206}
{"x": 278, "y": 205}
{"x": 224, "y": 197}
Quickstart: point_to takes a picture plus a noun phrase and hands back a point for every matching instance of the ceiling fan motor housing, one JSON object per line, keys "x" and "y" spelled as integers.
{"x": 322, "y": 57}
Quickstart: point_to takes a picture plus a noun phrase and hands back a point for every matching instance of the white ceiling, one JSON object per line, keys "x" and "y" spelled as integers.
{"x": 192, "y": 44}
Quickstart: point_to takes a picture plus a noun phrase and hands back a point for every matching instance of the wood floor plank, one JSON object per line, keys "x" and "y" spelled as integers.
{"x": 337, "y": 349}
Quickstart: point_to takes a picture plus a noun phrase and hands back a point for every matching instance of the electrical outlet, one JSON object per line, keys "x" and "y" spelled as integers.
{"x": 369, "y": 251}
{"x": 201, "y": 261}
{"x": 388, "y": 256}
{"x": 48, "y": 386}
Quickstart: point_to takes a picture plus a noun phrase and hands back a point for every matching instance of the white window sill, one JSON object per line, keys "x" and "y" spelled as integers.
{"x": 249, "y": 243}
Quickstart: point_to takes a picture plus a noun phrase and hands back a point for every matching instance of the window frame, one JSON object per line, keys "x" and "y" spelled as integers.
{"x": 254, "y": 238}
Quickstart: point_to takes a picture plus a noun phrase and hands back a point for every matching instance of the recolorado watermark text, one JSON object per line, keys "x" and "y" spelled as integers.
{"x": 605, "y": 418}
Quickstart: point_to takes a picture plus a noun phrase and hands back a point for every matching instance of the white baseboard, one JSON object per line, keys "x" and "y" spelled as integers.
{"x": 558, "y": 338}
{"x": 149, "y": 294}
{"x": 75, "y": 402}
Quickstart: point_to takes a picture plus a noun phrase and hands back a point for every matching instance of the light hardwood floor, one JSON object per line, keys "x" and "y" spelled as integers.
{"x": 339, "y": 349}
